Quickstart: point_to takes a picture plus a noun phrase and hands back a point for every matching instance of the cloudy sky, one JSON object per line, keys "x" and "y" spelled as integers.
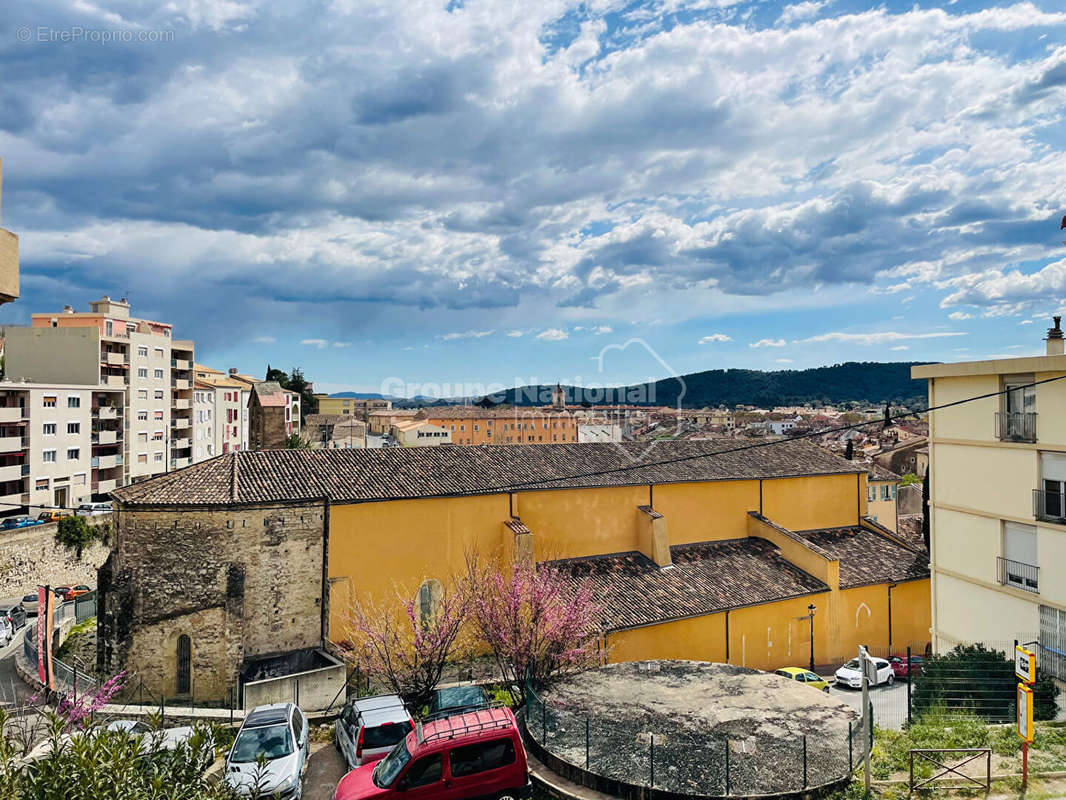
{"x": 452, "y": 191}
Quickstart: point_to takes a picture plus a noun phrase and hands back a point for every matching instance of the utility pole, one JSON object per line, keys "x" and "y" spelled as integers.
{"x": 867, "y": 723}
{"x": 812, "y": 608}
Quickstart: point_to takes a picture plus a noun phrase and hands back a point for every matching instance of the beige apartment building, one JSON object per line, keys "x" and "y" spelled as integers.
{"x": 108, "y": 347}
{"x": 997, "y": 491}
{"x": 359, "y": 407}
{"x": 9, "y": 259}
{"x": 60, "y": 444}
{"x": 220, "y": 419}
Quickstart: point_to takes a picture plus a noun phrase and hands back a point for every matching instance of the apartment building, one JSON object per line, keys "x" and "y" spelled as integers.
{"x": 273, "y": 416}
{"x": 60, "y": 444}
{"x": 108, "y": 347}
{"x": 471, "y": 425}
{"x": 9, "y": 260}
{"x": 218, "y": 425}
{"x": 359, "y": 407}
{"x": 997, "y": 490}
{"x": 419, "y": 433}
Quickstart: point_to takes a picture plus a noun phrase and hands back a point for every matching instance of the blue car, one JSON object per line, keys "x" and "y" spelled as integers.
{"x": 11, "y": 523}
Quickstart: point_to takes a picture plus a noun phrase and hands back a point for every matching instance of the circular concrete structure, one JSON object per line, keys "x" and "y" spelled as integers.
{"x": 693, "y": 729}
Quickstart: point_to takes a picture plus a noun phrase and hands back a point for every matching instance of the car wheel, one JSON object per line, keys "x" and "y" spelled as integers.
{"x": 890, "y": 679}
{"x": 826, "y": 690}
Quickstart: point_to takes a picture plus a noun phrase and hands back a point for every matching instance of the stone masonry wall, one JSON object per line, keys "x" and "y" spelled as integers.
{"x": 30, "y": 557}
{"x": 239, "y": 582}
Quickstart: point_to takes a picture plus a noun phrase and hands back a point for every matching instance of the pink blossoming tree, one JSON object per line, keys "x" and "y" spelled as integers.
{"x": 536, "y": 622}
{"x": 77, "y": 713}
{"x": 407, "y": 644}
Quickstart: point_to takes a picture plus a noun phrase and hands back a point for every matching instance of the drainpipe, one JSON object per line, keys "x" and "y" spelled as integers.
{"x": 891, "y": 586}
{"x": 727, "y": 634}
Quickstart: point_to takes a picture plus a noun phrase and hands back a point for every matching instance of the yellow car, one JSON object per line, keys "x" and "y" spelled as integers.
{"x": 803, "y": 676}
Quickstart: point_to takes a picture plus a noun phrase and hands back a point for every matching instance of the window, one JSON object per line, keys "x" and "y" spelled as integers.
{"x": 79, "y": 479}
{"x": 429, "y": 598}
{"x": 109, "y": 327}
{"x": 73, "y": 427}
{"x": 423, "y": 772}
{"x": 48, "y": 456}
{"x": 1053, "y": 471}
{"x": 142, "y": 394}
{"x": 73, "y": 401}
{"x": 158, "y": 457}
{"x": 157, "y": 415}
{"x": 297, "y": 725}
{"x": 142, "y": 351}
{"x": 142, "y": 437}
{"x": 40, "y": 484}
{"x": 481, "y": 757}
{"x": 476, "y": 428}
{"x": 157, "y": 436}
{"x": 159, "y": 374}
{"x": 142, "y": 372}
{"x": 871, "y": 493}
{"x": 184, "y": 664}
{"x": 158, "y": 394}
{"x": 142, "y": 458}
{"x": 73, "y": 454}
{"x": 1019, "y": 553}
{"x": 49, "y": 429}
{"x": 888, "y": 492}
{"x": 159, "y": 352}
{"x": 1053, "y": 641}
{"x": 49, "y": 401}
{"x": 142, "y": 415}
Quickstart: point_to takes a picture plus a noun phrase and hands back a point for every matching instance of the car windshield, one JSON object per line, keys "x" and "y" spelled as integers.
{"x": 30, "y": 598}
{"x": 853, "y": 664}
{"x": 460, "y": 697}
{"x": 391, "y": 766}
{"x": 273, "y": 741}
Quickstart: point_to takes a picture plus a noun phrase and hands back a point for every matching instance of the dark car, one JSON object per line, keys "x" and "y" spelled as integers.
{"x": 12, "y": 610}
{"x": 457, "y": 700}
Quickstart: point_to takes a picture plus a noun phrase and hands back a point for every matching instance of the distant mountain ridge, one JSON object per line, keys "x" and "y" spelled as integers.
{"x": 874, "y": 382}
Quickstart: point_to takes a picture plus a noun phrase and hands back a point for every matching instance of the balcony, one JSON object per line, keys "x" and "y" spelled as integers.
{"x": 106, "y": 486}
{"x": 105, "y": 437}
{"x": 11, "y": 473}
{"x": 1049, "y": 506}
{"x": 11, "y": 413}
{"x": 180, "y": 444}
{"x": 180, "y": 384}
{"x": 115, "y": 382}
{"x": 107, "y": 412}
{"x": 181, "y": 404}
{"x": 1017, "y": 574}
{"x": 1016, "y": 426}
{"x": 116, "y": 358}
{"x": 9, "y": 444}
{"x": 180, "y": 363}
{"x": 179, "y": 422}
{"x": 107, "y": 462}
{"x": 178, "y": 463}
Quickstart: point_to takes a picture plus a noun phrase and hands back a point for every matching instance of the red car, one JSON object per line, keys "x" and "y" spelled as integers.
{"x": 901, "y": 669}
{"x": 477, "y": 754}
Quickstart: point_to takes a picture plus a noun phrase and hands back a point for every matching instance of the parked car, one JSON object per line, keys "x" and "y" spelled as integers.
{"x": 477, "y": 754}
{"x": 7, "y": 632}
{"x": 76, "y": 591}
{"x": 93, "y": 509}
{"x": 369, "y": 727}
{"x": 456, "y": 699}
{"x": 60, "y": 592}
{"x": 30, "y": 602}
{"x": 52, "y": 516}
{"x": 901, "y": 669}
{"x": 851, "y": 674}
{"x": 277, "y": 733}
{"x": 22, "y": 521}
{"x": 11, "y": 609}
{"x": 803, "y": 676}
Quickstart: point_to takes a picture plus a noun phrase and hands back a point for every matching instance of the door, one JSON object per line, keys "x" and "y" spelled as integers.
{"x": 184, "y": 683}
{"x": 61, "y": 497}
{"x": 483, "y": 768}
{"x": 424, "y": 778}
{"x": 345, "y": 732}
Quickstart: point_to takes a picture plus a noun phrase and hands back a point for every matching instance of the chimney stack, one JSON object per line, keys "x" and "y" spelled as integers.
{"x": 233, "y": 370}
{"x": 1054, "y": 338}
{"x": 68, "y": 309}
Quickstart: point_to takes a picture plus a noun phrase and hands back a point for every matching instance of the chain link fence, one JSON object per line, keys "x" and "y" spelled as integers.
{"x": 694, "y": 763}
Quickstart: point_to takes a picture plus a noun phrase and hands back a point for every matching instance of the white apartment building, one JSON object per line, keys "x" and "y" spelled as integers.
{"x": 60, "y": 444}
{"x": 998, "y": 502}
{"x": 107, "y": 347}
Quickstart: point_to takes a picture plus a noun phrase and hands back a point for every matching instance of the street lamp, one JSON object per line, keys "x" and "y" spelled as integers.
{"x": 812, "y": 608}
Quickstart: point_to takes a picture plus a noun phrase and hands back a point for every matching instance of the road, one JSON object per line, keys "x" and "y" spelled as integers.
{"x": 13, "y": 690}
{"x": 889, "y": 702}
{"x": 324, "y": 771}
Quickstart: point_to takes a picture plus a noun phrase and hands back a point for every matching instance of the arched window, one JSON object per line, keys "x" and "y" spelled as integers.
{"x": 184, "y": 664}
{"x": 429, "y": 598}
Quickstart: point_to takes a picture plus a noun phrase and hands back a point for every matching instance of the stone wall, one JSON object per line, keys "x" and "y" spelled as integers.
{"x": 30, "y": 557}
{"x": 240, "y": 582}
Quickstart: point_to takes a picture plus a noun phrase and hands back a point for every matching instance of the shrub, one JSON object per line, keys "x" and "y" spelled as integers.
{"x": 74, "y": 534}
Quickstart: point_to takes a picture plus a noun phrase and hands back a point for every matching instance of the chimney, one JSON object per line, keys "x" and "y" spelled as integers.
{"x": 1054, "y": 338}
{"x": 68, "y": 309}
{"x": 233, "y": 370}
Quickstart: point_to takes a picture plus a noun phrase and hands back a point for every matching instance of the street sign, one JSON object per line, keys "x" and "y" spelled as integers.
{"x": 1025, "y": 713}
{"x": 1025, "y": 665}
{"x": 869, "y": 667}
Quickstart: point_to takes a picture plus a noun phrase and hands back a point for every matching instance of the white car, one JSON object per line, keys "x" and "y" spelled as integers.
{"x": 93, "y": 509}
{"x": 851, "y": 674}
{"x": 278, "y": 733}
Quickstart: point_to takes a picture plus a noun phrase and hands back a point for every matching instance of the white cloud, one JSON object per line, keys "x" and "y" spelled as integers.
{"x": 342, "y": 344}
{"x": 600, "y": 330}
{"x": 959, "y": 315}
{"x": 881, "y": 337}
{"x": 471, "y": 334}
{"x": 263, "y": 340}
{"x": 553, "y": 335}
{"x": 715, "y": 337}
{"x": 321, "y": 344}
{"x": 768, "y": 343}
{"x": 901, "y": 347}
{"x": 514, "y": 334}
{"x": 783, "y": 360}
{"x": 1002, "y": 289}
{"x": 801, "y": 11}
{"x": 1026, "y": 322}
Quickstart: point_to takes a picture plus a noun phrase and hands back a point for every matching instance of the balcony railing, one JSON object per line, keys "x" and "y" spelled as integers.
{"x": 1018, "y": 574}
{"x": 1016, "y": 426}
{"x": 1049, "y": 506}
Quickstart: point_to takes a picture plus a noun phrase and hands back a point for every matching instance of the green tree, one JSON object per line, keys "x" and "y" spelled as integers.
{"x": 296, "y": 382}
{"x": 296, "y": 442}
{"x": 74, "y": 533}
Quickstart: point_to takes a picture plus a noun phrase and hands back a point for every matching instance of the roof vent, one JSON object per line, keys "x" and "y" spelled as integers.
{"x": 1054, "y": 338}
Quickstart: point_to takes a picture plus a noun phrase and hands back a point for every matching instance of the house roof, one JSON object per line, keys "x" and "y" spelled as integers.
{"x": 270, "y": 393}
{"x": 879, "y": 473}
{"x": 476, "y": 412}
{"x": 263, "y": 476}
{"x": 867, "y": 557}
{"x": 705, "y": 578}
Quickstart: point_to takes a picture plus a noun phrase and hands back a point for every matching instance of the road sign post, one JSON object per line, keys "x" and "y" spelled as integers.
{"x": 1025, "y": 670}
{"x": 869, "y": 670}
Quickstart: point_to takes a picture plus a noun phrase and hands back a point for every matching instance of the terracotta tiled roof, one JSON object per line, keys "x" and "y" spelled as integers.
{"x": 909, "y": 529}
{"x": 879, "y": 473}
{"x": 476, "y": 412}
{"x": 705, "y": 578}
{"x": 516, "y": 526}
{"x": 397, "y": 473}
{"x": 269, "y": 393}
{"x": 867, "y": 557}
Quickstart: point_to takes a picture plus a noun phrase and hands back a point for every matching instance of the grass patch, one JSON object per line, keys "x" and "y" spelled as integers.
{"x": 75, "y": 641}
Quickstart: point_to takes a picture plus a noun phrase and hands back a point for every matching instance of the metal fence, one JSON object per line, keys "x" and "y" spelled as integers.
{"x": 692, "y": 763}
{"x": 85, "y": 606}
